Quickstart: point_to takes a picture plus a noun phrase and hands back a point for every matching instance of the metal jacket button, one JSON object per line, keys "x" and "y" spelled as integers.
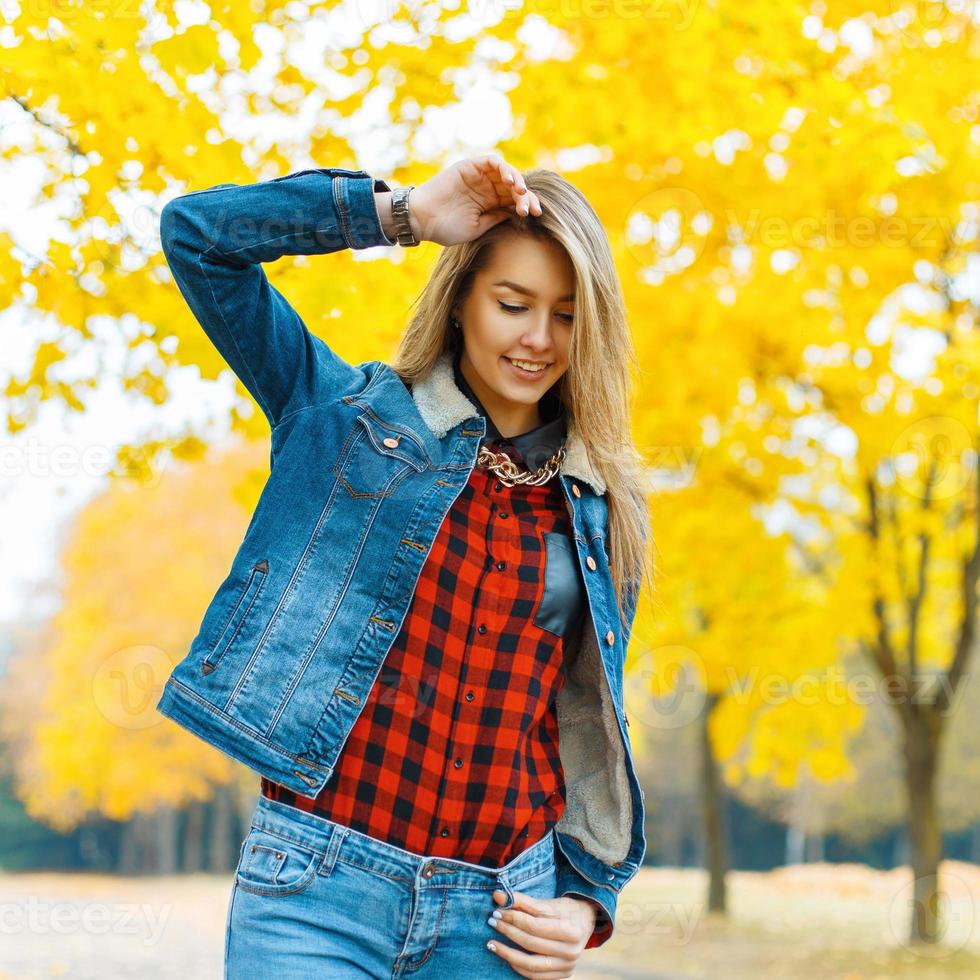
{"x": 575, "y": 490}
{"x": 590, "y": 561}
{"x": 391, "y": 443}
{"x": 610, "y": 638}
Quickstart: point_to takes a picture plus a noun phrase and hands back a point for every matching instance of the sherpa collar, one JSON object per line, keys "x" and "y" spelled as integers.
{"x": 442, "y": 406}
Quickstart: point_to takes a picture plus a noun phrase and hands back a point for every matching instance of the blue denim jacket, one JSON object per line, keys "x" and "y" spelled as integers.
{"x": 363, "y": 470}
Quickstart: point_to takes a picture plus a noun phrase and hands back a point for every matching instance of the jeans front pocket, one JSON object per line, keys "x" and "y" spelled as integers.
{"x": 274, "y": 865}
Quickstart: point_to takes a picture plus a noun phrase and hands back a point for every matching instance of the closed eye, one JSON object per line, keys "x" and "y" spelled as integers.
{"x": 568, "y": 317}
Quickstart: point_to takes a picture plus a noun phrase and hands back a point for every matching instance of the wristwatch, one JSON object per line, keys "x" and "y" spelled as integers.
{"x": 399, "y": 213}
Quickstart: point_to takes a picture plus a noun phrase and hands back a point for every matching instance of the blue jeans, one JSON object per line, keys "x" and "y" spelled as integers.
{"x": 315, "y": 899}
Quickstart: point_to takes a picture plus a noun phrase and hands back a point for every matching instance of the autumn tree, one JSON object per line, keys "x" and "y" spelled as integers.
{"x": 774, "y": 177}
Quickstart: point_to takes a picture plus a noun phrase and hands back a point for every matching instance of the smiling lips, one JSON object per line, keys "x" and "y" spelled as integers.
{"x": 535, "y": 366}
{"x": 525, "y": 374}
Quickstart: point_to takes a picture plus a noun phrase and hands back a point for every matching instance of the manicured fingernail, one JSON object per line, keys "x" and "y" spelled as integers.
{"x": 496, "y": 914}
{"x": 492, "y": 947}
{"x": 492, "y": 922}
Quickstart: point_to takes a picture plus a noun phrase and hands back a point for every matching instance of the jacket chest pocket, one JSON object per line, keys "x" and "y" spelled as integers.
{"x": 376, "y": 457}
{"x": 563, "y": 596}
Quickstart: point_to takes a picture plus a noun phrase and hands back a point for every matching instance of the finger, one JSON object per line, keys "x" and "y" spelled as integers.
{"x": 543, "y": 907}
{"x": 515, "y": 179}
{"x": 493, "y": 168}
{"x": 504, "y": 178}
{"x": 538, "y": 933}
{"x": 546, "y": 967}
{"x": 529, "y": 205}
{"x": 536, "y": 924}
{"x": 526, "y": 202}
{"x": 508, "y": 173}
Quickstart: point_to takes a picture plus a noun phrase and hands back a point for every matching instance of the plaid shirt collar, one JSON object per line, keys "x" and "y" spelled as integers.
{"x": 532, "y": 448}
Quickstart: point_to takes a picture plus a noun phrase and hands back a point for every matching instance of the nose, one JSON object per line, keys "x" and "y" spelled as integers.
{"x": 538, "y": 335}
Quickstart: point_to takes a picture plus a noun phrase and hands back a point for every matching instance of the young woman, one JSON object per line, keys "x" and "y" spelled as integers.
{"x": 420, "y": 643}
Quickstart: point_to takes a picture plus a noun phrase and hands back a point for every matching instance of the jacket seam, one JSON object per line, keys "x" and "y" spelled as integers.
{"x": 339, "y": 197}
{"x": 331, "y": 400}
{"x": 231, "y": 334}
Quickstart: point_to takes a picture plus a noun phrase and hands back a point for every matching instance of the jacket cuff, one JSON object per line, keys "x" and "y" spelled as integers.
{"x": 571, "y": 883}
{"x": 357, "y": 210}
{"x": 603, "y": 928}
{"x": 381, "y": 185}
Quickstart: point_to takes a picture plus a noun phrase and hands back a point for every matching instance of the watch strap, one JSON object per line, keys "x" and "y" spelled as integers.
{"x": 399, "y": 212}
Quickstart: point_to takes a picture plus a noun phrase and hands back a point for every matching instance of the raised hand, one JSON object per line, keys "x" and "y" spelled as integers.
{"x": 463, "y": 201}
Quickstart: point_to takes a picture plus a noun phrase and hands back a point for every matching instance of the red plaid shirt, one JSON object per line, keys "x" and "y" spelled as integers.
{"x": 455, "y": 753}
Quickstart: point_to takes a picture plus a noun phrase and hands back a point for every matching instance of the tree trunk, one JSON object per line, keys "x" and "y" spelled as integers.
{"x": 713, "y": 818}
{"x": 163, "y": 844}
{"x": 975, "y": 844}
{"x": 900, "y": 851}
{"x": 246, "y": 798}
{"x": 192, "y": 849}
{"x": 127, "y": 860}
{"x": 222, "y": 831}
{"x": 922, "y": 730}
{"x": 795, "y": 841}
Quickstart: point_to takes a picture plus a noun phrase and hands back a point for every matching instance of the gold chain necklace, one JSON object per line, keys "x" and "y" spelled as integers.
{"x": 510, "y": 474}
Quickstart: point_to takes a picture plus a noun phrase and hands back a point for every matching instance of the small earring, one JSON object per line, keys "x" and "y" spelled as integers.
{"x": 456, "y": 324}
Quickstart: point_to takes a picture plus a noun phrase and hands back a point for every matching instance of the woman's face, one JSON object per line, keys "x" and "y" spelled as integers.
{"x": 520, "y": 307}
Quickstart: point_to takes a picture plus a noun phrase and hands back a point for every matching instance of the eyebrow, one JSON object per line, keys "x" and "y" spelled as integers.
{"x": 518, "y": 288}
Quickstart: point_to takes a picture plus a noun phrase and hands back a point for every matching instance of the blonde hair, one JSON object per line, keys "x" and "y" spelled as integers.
{"x": 597, "y": 387}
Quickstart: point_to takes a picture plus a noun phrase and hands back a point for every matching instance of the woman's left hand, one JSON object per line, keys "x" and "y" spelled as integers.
{"x": 553, "y": 931}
